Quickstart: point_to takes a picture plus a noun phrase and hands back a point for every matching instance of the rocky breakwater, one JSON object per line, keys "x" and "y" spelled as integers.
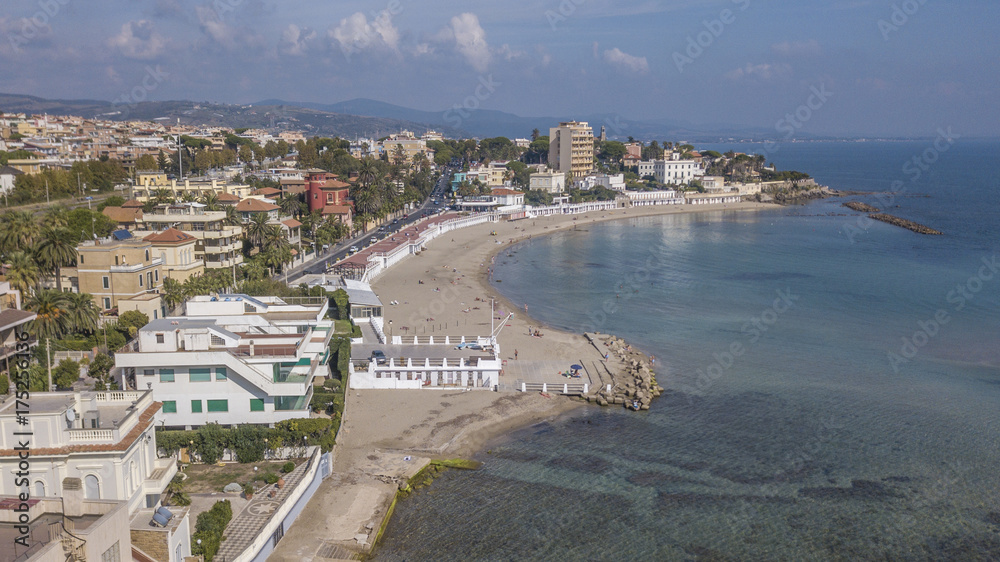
{"x": 907, "y": 224}
{"x": 626, "y": 376}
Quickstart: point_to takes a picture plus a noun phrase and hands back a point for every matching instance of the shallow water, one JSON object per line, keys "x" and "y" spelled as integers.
{"x": 797, "y": 424}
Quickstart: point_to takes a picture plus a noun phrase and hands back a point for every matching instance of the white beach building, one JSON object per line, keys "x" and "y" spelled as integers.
{"x": 232, "y": 359}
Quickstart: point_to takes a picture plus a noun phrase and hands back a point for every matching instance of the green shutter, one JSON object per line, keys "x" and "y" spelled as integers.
{"x": 200, "y": 374}
{"x": 218, "y": 405}
{"x": 221, "y": 374}
{"x": 169, "y": 407}
{"x": 166, "y": 375}
{"x": 196, "y": 406}
{"x": 256, "y": 404}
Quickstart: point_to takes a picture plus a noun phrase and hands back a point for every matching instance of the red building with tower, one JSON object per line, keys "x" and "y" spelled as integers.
{"x": 323, "y": 189}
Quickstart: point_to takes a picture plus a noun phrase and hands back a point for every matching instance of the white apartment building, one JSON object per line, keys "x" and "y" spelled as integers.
{"x": 674, "y": 171}
{"x": 218, "y": 244}
{"x": 615, "y": 182}
{"x": 232, "y": 359}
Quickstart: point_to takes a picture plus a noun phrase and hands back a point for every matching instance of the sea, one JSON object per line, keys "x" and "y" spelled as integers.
{"x": 832, "y": 382}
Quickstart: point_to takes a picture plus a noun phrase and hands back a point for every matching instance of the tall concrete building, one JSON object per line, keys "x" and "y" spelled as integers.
{"x": 571, "y": 148}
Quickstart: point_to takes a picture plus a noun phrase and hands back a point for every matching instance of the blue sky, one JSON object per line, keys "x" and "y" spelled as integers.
{"x": 933, "y": 64}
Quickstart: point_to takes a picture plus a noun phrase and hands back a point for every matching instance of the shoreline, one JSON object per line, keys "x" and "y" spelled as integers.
{"x": 388, "y": 436}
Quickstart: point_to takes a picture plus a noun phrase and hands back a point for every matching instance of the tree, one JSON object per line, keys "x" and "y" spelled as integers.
{"x": 65, "y": 374}
{"x": 22, "y": 272}
{"x": 132, "y": 320}
{"x": 58, "y": 215}
{"x": 255, "y": 230}
{"x": 211, "y": 201}
{"x": 54, "y": 250}
{"x": 612, "y": 151}
{"x": 290, "y": 205}
{"x": 17, "y": 231}
{"x": 53, "y": 315}
{"x": 83, "y": 313}
{"x": 173, "y": 292}
{"x": 535, "y": 134}
{"x": 100, "y": 369}
{"x": 146, "y": 162}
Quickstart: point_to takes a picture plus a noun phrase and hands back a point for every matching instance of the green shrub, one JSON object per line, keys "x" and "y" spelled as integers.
{"x": 209, "y": 528}
{"x": 288, "y": 467}
{"x": 270, "y": 477}
{"x": 211, "y": 443}
{"x": 247, "y": 441}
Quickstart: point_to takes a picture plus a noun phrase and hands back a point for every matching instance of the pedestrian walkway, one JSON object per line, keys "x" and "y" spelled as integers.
{"x": 248, "y": 523}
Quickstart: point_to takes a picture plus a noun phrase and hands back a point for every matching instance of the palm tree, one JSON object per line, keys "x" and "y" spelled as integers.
{"x": 52, "y": 308}
{"x": 232, "y": 216}
{"x": 366, "y": 203}
{"x": 368, "y": 171}
{"x": 22, "y": 272}
{"x": 290, "y": 205}
{"x": 83, "y": 313}
{"x": 211, "y": 201}
{"x": 173, "y": 292}
{"x": 163, "y": 195}
{"x": 255, "y": 230}
{"x": 54, "y": 250}
{"x": 17, "y": 231}
{"x": 56, "y": 216}
{"x": 254, "y": 270}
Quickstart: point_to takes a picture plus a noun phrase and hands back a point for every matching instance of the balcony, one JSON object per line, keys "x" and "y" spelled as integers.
{"x": 126, "y": 268}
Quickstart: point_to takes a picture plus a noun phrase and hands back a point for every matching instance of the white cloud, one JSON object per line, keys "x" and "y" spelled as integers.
{"x": 624, "y": 61}
{"x": 356, "y": 33}
{"x": 215, "y": 28}
{"x": 764, "y": 71}
{"x": 138, "y": 40}
{"x": 295, "y": 40}
{"x": 797, "y": 48}
{"x": 470, "y": 40}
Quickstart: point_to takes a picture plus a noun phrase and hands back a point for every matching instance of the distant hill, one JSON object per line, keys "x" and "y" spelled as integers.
{"x": 275, "y": 116}
{"x": 371, "y": 118}
{"x": 484, "y": 123}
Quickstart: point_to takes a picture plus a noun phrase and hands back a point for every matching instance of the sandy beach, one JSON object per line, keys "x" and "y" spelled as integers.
{"x": 389, "y": 435}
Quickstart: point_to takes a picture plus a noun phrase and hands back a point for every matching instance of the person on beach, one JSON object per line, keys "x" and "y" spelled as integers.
{"x": 515, "y": 355}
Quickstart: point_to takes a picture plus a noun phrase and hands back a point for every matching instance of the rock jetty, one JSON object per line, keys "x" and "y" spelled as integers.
{"x": 626, "y": 376}
{"x": 862, "y": 207}
{"x": 907, "y": 224}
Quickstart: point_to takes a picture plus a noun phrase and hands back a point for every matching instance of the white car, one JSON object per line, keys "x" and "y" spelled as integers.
{"x": 353, "y": 249}
{"x": 374, "y": 240}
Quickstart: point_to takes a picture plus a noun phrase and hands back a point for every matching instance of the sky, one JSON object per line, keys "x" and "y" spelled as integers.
{"x": 828, "y": 67}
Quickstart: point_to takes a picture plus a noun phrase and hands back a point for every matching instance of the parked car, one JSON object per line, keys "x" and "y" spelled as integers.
{"x": 406, "y": 216}
{"x": 374, "y": 240}
{"x": 353, "y": 249}
{"x": 378, "y": 356}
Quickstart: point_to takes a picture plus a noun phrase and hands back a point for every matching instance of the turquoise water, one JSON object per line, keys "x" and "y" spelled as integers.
{"x": 833, "y": 386}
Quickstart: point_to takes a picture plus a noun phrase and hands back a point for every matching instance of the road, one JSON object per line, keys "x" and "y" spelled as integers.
{"x": 342, "y": 249}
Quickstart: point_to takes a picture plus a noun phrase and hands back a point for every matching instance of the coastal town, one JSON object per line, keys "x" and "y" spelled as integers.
{"x": 182, "y": 305}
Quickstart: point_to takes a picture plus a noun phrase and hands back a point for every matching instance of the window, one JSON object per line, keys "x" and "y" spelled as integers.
{"x": 159, "y": 338}
{"x": 140, "y": 280}
{"x": 81, "y": 259}
{"x": 201, "y": 374}
{"x": 107, "y": 303}
{"x": 169, "y": 406}
{"x": 112, "y": 554}
{"x": 107, "y": 282}
{"x": 148, "y": 372}
{"x": 221, "y": 374}
{"x": 166, "y": 375}
{"x": 91, "y": 487}
{"x": 39, "y": 489}
{"x": 147, "y": 255}
{"x": 196, "y": 406}
{"x": 256, "y": 404}
{"x": 218, "y": 405}
{"x": 156, "y": 275}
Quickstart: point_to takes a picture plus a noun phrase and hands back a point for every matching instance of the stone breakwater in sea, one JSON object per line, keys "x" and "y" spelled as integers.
{"x": 907, "y": 224}
{"x": 626, "y": 376}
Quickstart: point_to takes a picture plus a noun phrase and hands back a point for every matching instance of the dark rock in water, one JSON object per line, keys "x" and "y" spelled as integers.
{"x": 861, "y": 207}
{"x": 859, "y": 490}
{"x": 907, "y": 224}
{"x": 993, "y": 518}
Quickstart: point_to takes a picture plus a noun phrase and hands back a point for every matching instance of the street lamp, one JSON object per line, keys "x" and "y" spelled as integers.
{"x": 390, "y": 331}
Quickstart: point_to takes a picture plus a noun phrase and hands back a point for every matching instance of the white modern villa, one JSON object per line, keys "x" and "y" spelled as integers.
{"x": 232, "y": 359}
